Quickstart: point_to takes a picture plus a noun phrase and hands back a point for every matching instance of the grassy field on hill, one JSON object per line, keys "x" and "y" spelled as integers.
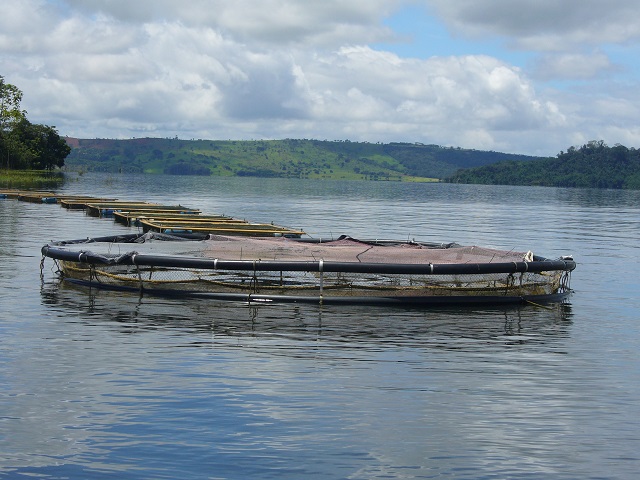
{"x": 278, "y": 158}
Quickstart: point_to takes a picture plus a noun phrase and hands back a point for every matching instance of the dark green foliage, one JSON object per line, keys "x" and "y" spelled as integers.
{"x": 594, "y": 165}
{"x": 439, "y": 161}
{"x": 43, "y": 147}
{"x": 25, "y": 145}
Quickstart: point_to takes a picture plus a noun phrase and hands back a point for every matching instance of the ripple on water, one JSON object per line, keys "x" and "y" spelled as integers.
{"x": 98, "y": 384}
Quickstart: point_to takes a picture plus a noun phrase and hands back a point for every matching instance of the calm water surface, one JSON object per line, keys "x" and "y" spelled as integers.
{"x": 105, "y": 385}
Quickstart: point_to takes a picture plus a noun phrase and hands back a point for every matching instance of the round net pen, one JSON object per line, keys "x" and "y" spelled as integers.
{"x": 342, "y": 271}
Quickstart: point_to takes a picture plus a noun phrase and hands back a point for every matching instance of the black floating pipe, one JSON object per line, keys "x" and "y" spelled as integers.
{"x": 133, "y": 258}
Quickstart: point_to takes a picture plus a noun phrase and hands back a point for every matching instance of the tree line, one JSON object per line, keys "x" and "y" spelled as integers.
{"x": 593, "y": 165}
{"x": 25, "y": 145}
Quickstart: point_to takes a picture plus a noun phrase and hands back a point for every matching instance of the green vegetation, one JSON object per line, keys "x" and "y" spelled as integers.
{"x": 30, "y": 179}
{"x": 594, "y": 165}
{"x": 287, "y": 158}
{"x": 25, "y": 145}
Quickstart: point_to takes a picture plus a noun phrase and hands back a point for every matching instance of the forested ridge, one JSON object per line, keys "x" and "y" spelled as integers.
{"x": 287, "y": 158}
{"x": 593, "y": 165}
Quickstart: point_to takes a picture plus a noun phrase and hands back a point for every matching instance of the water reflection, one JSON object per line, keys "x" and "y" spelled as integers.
{"x": 98, "y": 384}
{"x": 455, "y": 328}
{"x": 384, "y": 389}
{"x": 597, "y": 198}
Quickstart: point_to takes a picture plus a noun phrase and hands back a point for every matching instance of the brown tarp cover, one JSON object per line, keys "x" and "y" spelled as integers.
{"x": 351, "y": 250}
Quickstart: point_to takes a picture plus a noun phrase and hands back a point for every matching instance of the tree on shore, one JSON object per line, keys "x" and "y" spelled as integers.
{"x": 25, "y": 145}
{"x": 593, "y": 165}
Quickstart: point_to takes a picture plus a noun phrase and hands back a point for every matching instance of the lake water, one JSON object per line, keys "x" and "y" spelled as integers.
{"x": 109, "y": 385}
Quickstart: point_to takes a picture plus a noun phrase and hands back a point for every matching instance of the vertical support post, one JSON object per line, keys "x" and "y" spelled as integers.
{"x": 321, "y": 270}
{"x": 133, "y": 260}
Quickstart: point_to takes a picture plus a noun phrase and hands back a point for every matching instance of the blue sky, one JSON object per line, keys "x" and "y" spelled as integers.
{"x": 423, "y": 34}
{"x": 426, "y": 36}
{"x": 506, "y": 75}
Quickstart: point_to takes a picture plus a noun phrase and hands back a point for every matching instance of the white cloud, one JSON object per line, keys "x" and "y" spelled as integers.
{"x": 285, "y": 22}
{"x": 287, "y": 68}
{"x": 471, "y": 90}
{"x": 572, "y": 66}
{"x": 545, "y": 24}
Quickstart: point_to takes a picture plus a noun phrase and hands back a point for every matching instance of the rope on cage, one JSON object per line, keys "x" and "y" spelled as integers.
{"x": 565, "y": 281}
{"x": 92, "y": 273}
{"x": 59, "y": 270}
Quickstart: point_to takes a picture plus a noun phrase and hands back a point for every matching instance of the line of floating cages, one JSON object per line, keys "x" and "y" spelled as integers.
{"x": 48, "y": 197}
{"x": 156, "y": 217}
{"x": 133, "y": 218}
{"x": 198, "y": 267}
{"x": 16, "y": 194}
{"x": 183, "y": 220}
{"x": 221, "y": 227}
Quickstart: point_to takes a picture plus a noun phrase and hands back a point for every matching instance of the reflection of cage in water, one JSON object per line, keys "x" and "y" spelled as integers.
{"x": 341, "y": 271}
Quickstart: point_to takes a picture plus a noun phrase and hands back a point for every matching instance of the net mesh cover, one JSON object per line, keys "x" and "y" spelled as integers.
{"x": 281, "y": 281}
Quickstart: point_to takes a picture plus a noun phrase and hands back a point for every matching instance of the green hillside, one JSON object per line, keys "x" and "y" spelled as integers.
{"x": 288, "y": 158}
{"x": 594, "y": 165}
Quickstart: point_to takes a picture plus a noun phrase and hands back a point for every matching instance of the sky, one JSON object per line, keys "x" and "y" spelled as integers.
{"x": 515, "y": 76}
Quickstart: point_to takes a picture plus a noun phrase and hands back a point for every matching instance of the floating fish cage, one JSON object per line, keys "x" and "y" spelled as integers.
{"x": 281, "y": 269}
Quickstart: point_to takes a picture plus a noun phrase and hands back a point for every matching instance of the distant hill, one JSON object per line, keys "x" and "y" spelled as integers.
{"x": 594, "y": 165}
{"x": 287, "y": 158}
